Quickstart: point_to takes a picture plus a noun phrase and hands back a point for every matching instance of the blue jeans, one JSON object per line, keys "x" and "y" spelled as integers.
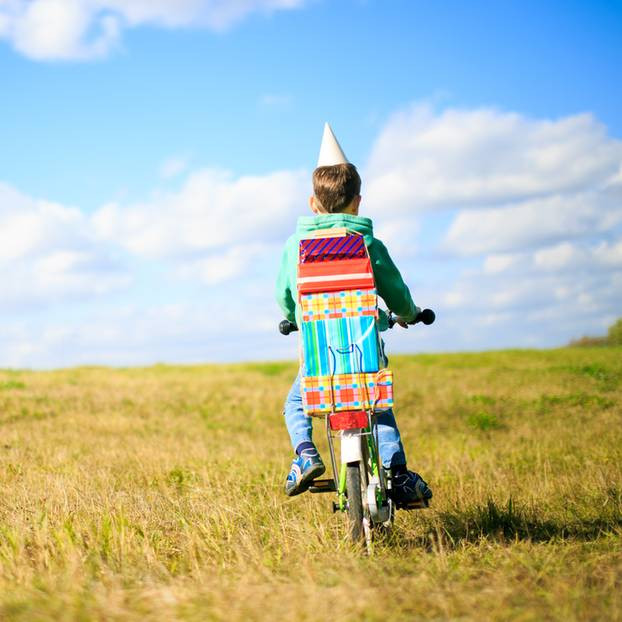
{"x": 300, "y": 429}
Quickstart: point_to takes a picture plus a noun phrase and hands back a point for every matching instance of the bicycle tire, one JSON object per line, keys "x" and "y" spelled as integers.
{"x": 355, "y": 502}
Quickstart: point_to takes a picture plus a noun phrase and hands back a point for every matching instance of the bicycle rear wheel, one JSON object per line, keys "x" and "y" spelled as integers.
{"x": 355, "y": 502}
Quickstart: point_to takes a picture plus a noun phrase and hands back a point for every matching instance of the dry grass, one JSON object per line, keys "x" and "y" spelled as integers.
{"x": 156, "y": 494}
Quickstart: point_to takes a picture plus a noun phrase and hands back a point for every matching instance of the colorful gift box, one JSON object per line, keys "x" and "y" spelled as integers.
{"x": 349, "y": 246}
{"x": 332, "y": 276}
{"x": 340, "y": 346}
{"x": 347, "y": 392}
{"x": 335, "y": 305}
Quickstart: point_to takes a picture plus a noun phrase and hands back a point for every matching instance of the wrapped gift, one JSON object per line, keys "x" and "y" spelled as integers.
{"x": 332, "y": 276}
{"x": 342, "y": 392}
{"x": 340, "y": 346}
{"x": 336, "y": 305}
{"x": 349, "y": 246}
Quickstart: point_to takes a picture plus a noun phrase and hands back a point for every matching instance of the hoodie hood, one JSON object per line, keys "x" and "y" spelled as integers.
{"x": 357, "y": 224}
{"x": 389, "y": 283}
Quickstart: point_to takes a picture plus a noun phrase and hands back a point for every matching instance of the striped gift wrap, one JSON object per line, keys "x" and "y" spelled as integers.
{"x": 340, "y": 346}
{"x": 348, "y": 246}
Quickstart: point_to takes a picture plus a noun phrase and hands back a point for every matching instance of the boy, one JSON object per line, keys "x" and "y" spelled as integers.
{"x": 335, "y": 203}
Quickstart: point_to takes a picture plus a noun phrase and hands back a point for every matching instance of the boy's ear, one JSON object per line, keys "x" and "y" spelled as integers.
{"x": 356, "y": 203}
{"x": 312, "y": 205}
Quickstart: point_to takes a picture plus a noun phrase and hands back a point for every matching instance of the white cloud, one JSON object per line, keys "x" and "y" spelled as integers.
{"x": 220, "y": 267}
{"x": 399, "y": 233}
{"x": 515, "y": 182}
{"x": 493, "y": 264}
{"x": 48, "y": 252}
{"x": 568, "y": 298}
{"x": 532, "y": 223}
{"x": 86, "y": 29}
{"x": 206, "y": 330}
{"x": 214, "y": 229}
{"x": 214, "y": 14}
{"x": 609, "y": 254}
{"x": 459, "y": 158}
{"x": 558, "y": 258}
{"x": 542, "y": 297}
{"x": 213, "y": 210}
{"x": 57, "y": 29}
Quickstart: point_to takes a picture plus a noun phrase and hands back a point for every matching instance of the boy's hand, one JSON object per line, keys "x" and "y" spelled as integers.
{"x": 401, "y": 321}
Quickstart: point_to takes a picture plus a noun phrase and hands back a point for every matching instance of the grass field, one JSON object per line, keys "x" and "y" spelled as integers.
{"x": 156, "y": 494}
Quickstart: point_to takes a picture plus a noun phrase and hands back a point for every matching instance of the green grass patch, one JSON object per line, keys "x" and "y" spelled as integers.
{"x": 8, "y": 385}
{"x": 269, "y": 369}
{"x": 484, "y": 421}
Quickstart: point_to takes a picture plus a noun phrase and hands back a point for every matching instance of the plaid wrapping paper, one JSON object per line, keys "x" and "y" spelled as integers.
{"x": 332, "y": 305}
{"x": 348, "y": 246}
{"x": 340, "y": 346}
{"x": 322, "y": 394}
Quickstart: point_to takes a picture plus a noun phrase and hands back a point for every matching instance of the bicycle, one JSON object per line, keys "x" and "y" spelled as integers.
{"x": 362, "y": 485}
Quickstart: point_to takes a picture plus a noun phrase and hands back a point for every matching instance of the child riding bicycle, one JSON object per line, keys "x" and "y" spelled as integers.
{"x": 335, "y": 204}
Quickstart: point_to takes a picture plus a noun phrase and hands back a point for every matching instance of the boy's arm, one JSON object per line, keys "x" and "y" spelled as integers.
{"x": 283, "y": 292}
{"x": 390, "y": 285}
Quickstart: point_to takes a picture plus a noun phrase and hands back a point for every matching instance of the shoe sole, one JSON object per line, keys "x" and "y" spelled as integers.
{"x": 307, "y": 480}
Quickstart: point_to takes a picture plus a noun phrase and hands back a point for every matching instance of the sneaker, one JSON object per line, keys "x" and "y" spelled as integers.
{"x": 408, "y": 488}
{"x": 305, "y": 468}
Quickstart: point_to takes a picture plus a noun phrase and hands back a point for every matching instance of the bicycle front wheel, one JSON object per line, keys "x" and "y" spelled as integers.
{"x": 355, "y": 502}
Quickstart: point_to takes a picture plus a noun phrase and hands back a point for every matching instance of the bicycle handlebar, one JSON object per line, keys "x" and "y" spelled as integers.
{"x": 286, "y": 327}
{"x": 425, "y": 316}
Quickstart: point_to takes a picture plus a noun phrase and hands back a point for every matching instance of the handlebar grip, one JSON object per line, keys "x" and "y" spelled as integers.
{"x": 425, "y": 316}
{"x": 286, "y": 327}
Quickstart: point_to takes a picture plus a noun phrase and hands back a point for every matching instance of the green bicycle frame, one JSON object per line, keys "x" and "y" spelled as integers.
{"x": 372, "y": 454}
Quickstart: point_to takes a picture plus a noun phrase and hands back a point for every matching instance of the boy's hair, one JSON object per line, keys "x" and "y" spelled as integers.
{"x": 335, "y": 186}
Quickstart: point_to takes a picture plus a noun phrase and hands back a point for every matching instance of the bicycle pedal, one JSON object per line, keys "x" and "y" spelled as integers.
{"x": 322, "y": 485}
{"x": 420, "y": 504}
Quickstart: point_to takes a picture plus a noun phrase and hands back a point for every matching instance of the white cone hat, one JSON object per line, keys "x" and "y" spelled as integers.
{"x": 331, "y": 152}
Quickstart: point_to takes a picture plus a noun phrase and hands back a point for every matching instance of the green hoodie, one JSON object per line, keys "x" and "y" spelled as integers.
{"x": 389, "y": 283}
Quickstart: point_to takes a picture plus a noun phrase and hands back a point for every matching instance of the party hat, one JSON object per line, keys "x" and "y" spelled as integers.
{"x": 331, "y": 152}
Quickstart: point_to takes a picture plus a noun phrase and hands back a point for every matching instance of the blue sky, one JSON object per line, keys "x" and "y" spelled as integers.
{"x": 488, "y": 135}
